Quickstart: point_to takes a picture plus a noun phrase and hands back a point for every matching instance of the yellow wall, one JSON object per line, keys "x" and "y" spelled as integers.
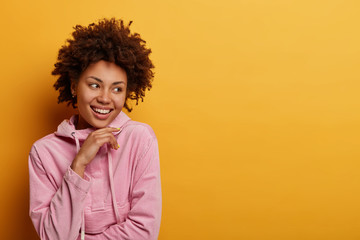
{"x": 255, "y": 104}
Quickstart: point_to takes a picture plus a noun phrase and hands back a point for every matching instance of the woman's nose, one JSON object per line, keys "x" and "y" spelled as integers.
{"x": 103, "y": 97}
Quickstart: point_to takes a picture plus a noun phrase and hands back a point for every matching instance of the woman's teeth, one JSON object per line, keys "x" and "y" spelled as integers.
{"x": 102, "y": 111}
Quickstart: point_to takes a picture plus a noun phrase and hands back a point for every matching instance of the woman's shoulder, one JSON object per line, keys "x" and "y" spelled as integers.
{"x": 42, "y": 145}
{"x": 49, "y": 143}
{"x": 139, "y": 129}
{"x": 45, "y": 140}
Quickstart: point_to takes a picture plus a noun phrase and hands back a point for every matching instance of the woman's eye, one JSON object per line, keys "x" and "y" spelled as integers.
{"x": 94, "y": 85}
{"x": 117, "y": 89}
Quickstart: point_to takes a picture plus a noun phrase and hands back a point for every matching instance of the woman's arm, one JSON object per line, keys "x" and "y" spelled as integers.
{"x": 56, "y": 213}
{"x": 143, "y": 220}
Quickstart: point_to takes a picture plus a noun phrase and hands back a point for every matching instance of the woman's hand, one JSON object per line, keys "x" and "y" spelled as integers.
{"x": 91, "y": 146}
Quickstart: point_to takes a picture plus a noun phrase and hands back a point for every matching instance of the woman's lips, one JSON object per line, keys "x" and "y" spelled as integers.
{"x": 101, "y": 113}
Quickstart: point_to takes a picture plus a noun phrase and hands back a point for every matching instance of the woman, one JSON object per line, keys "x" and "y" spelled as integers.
{"x": 98, "y": 175}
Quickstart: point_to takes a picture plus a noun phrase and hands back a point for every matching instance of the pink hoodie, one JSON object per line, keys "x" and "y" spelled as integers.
{"x": 120, "y": 196}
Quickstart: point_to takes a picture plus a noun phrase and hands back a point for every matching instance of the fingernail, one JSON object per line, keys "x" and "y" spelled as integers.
{"x": 118, "y": 146}
{"x": 118, "y": 129}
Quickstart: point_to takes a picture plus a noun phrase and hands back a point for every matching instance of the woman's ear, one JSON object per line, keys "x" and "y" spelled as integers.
{"x": 73, "y": 88}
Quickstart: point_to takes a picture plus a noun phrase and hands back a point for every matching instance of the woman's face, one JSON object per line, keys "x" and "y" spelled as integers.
{"x": 101, "y": 94}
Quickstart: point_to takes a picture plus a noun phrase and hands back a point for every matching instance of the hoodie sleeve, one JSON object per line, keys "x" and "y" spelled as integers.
{"x": 56, "y": 212}
{"x": 143, "y": 220}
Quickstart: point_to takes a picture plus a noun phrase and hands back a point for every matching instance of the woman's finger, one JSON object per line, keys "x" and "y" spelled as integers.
{"x": 106, "y": 137}
{"x": 106, "y": 130}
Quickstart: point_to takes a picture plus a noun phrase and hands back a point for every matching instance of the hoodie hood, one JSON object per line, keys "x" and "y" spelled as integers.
{"x": 67, "y": 127}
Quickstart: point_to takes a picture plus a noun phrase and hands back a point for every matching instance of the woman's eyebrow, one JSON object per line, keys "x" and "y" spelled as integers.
{"x": 99, "y": 80}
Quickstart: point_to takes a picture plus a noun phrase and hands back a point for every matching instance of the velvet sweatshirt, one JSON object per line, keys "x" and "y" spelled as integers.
{"x": 119, "y": 196}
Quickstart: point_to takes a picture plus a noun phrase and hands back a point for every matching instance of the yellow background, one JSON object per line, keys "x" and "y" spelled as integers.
{"x": 255, "y": 104}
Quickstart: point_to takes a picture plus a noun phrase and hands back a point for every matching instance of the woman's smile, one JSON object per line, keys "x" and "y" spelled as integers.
{"x": 100, "y": 113}
{"x": 101, "y": 110}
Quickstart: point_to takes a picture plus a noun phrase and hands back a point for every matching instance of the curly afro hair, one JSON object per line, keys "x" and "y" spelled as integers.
{"x": 109, "y": 40}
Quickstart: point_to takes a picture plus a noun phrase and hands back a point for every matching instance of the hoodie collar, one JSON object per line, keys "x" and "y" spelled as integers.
{"x": 67, "y": 127}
